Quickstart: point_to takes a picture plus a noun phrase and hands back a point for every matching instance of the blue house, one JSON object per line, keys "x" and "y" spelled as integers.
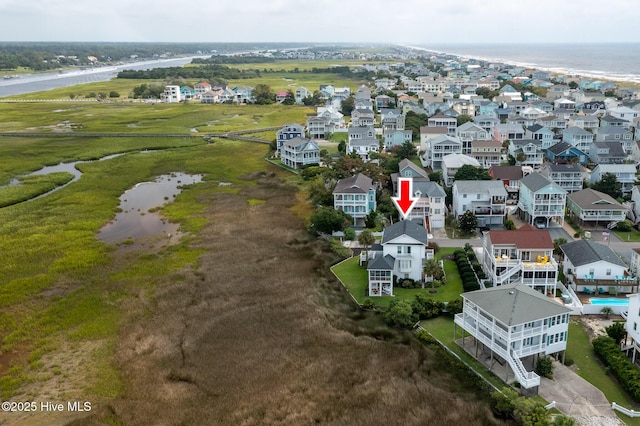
{"x": 187, "y": 92}
{"x": 564, "y": 152}
{"x": 288, "y": 132}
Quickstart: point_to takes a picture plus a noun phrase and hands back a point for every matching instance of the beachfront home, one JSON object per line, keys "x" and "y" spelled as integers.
{"x": 527, "y": 152}
{"x": 484, "y": 198}
{"x": 541, "y": 200}
{"x": 524, "y": 255}
{"x": 299, "y": 152}
{"x": 594, "y": 268}
{"x": 517, "y": 324}
{"x": 595, "y": 208}
{"x": 402, "y": 254}
{"x": 356, "y": 196}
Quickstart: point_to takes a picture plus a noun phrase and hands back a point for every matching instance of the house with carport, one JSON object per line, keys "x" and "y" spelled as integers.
{"x": 595, "y": 208}
{"x": 514, "y": 324}
{"x": 541, "y": 200}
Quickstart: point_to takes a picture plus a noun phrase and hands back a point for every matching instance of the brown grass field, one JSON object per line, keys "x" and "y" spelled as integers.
{"x": 260, "y": 334}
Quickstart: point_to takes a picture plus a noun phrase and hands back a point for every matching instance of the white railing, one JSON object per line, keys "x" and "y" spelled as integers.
{"x": 505, "y": 275}
{"x": 626, "y": 411}
{"x": 527, "y": 379}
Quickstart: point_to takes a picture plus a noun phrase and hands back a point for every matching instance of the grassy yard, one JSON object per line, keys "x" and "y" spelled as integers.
{"x": 354, "y": 278}
{"x": 442, "y": 329}
{"x": 633, "y": 235}
{"x": 589, "y": 367}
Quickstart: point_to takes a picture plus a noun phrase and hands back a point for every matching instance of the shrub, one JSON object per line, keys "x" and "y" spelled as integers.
{"x": 454, "y": 306}
{"x": 400, "y": 314}
{"x": 368, "y": 304}
{"x": 349, "y": 234}
{"x": 544, "y": 367}
{"x": 621, "y": 366}
{"x": 433, "y": 245}
{"x": 425, "y": 307}
{"x": 624, "y": 226}
{"x": 568, "y": 361}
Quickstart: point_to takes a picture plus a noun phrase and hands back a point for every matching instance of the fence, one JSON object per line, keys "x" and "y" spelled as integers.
{"x": 625, "y": 411}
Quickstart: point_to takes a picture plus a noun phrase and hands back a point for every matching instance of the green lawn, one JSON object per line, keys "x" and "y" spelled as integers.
{"x": 442, "y": 329}
{"x": 632, "y": 235}
{"x": 354, "y": 278}
{"x": 589, "y": 367}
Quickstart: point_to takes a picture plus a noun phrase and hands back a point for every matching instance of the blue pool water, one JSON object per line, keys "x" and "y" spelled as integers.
{"x": 609, "y": 301}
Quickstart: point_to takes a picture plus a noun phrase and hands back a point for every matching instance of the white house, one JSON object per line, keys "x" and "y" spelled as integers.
{"x": 541, "y": 200}
{"x": 171, "y": 94}
{"x": 595, "y": 207}
{"x": 517, "y": 324}
{"x": 356, "y": 196}
{"x": 402, "y": 255}
{"x": 484, "y": 198}
{"x": 299, "y": 152}
{"x": 595, "y": 268}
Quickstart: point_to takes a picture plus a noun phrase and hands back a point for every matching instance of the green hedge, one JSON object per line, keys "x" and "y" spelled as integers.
{"x": 621, "y": 366}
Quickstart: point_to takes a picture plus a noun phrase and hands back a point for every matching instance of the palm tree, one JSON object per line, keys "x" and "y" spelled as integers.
{"x": 366, "y": 238}
{"x": 433, "y": 269}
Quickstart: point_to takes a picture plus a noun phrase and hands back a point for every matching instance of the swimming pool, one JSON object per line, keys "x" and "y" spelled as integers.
{"x": 609, "y": 301}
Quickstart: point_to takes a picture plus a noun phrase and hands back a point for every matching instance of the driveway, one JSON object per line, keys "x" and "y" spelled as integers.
{"x": 577, "y": 398}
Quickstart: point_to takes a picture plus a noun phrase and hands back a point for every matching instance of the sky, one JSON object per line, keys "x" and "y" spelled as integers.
{"x": 406, "y": 21}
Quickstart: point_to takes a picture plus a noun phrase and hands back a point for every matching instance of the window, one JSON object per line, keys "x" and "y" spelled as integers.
{"x": 609, "y": 271}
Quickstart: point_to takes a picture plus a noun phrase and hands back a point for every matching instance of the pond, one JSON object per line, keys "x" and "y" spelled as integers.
{"x": 135, "y": 223}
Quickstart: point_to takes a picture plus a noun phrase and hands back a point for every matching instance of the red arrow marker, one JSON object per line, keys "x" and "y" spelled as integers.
{"x": 406, "y": 201}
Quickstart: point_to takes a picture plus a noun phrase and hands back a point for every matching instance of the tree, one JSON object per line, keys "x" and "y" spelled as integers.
{"x": 544, "y": 367}
{"x": 366, "y": 238}
{"x": 521, "y": 157}
{"x": 371, "y": 220}
{"x": 348, "y": 105}
{"x": 573, "y": 85}
{"x": 321, "y": 191}
{"x": 435, "y": 176}
{"x": 468, "y": 222}
{"x": 328, "y": 220}
{"x": 556, "y": 246}
{"x": 469, "y": 172}
{"x": 290, "y": 99}
{"x": 349, "y": 234}
{"x": 114, "y": 94}
{"x": 406, "y": 150}
{"x": 463, "y": 118}
{"x": 342, "y": 147}
{"x": 433, "y": 269}
{"x": 400, "y": 314}
{"x": 609, "y": 184}
{"x": 616, "y": 331}
{"x": 263, "y": 94}
{"x": 414, "y": 121}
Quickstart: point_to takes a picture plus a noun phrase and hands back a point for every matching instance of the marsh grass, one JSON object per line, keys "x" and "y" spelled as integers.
{"x": 32, "y": 186}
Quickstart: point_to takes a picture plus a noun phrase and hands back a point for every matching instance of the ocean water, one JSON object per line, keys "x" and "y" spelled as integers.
{"x": 613, "y": 61}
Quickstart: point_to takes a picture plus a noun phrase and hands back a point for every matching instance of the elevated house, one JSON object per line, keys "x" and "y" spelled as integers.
{"x": 486, "y": 199}
{"x": 527, "y": 152}
{"x": 320, "y": 127}
{"x": 578, "y": 137}
{"x": 401, "y": 255}
{"x": 487, "y": 152}
{"x": 393, "y": 138}
{"x": 442, "y": 120}
{"x": 616, "y": 134}
{"x": 569, "y": 177}
{"x": 513, "y": 132}
{"x": 516, "y": 324}
{"x": 520, "y": 256}
{"x": 470, "y": 132}
{"x": 595, "y": 208}
{"x": 540, "y": 133}
{"x": 301, "y": 93}
{"x": 356, "y": 196}
{"x": 362, "y": 117}
{"x": 439, "y": 147}
{"x": 201, "y": 88}
{"x": 362, "y": 141}
{"x": 541, "y": 200}
{"x": 299, "y": 152}
{"x": 171, "y": 94}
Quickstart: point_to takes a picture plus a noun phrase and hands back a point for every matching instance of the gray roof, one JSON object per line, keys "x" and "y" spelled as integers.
{"x": 590, "y": 199}
{"x": 492, "y": 187}
{"x": 413, "y": 166}
{"x": 583, "y": 252}
{"x": 506, "y": 172}
{"x": 404, "y": 227}
{"x": 615, "y": 149}
{"x": 559, "y": 147}
{"x": 428, "y": 188}
{"x": 359, "y": 184}
{"x": 535, "y": 181}
{"x": 515, "y": 304}
{"x": 566, "y": 168}
{"x": 380, "y": 262}
{"x": 364, "y": 142}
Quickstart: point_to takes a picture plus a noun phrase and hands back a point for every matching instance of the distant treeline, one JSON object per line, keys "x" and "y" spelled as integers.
{"x": 232, "y": 60}
{"x": 207, "y": 72}
{"x": 52, "y": 55}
